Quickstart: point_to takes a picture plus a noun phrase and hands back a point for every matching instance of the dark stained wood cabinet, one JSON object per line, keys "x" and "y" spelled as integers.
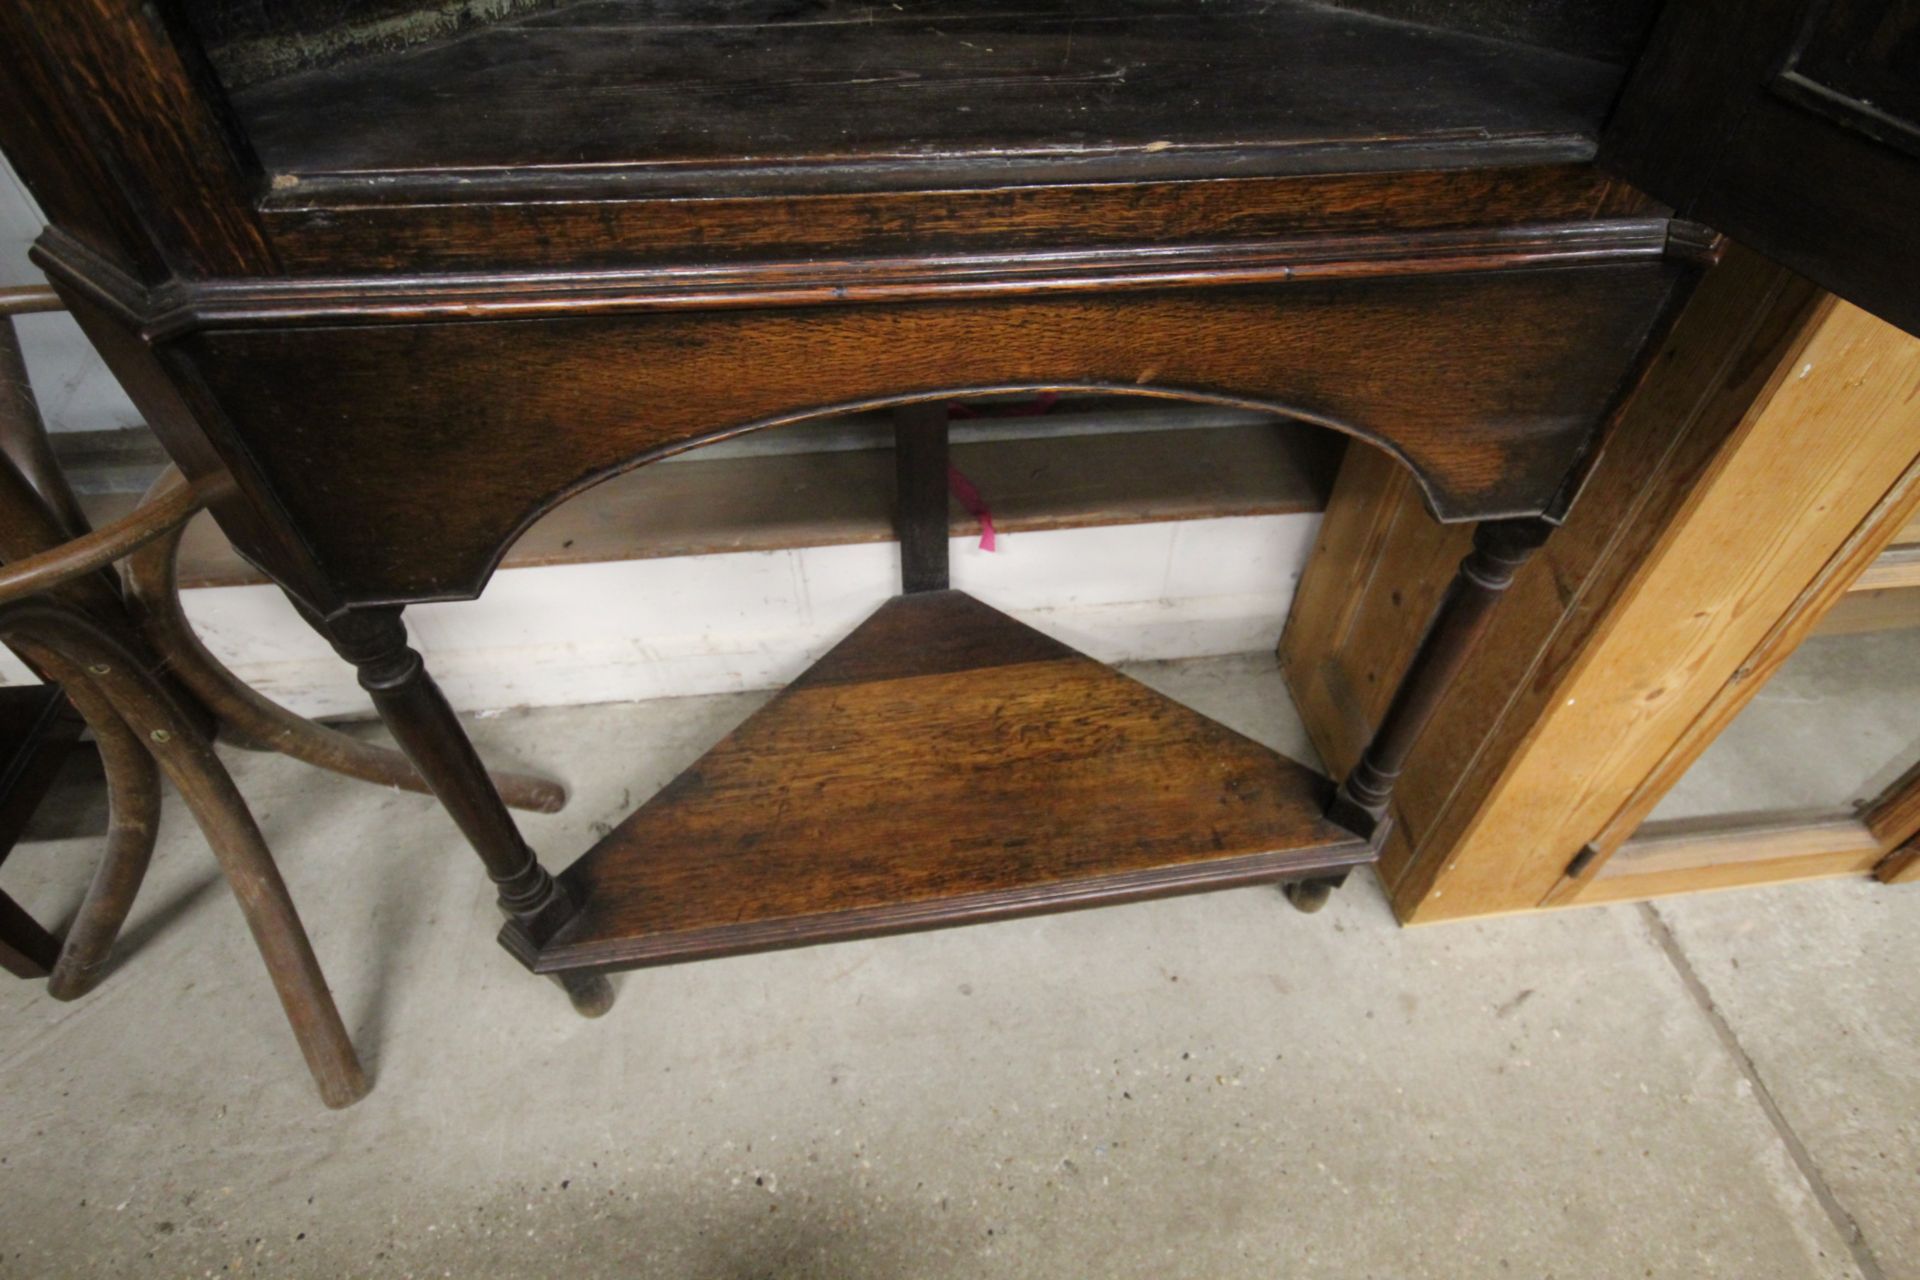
{"x": 1793, "y": 125}
{"x": 391, "y": 282}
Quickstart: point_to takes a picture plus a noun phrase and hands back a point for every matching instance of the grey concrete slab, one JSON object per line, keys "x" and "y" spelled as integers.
{"x": 1817, "y": 982}
{"x": 1207, "y": 1087}
{"x": 1837, "y": 723}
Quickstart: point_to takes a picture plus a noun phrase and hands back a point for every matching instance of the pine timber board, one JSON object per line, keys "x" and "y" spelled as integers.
{"x": 1691, "y": 855}
{"x": 1759, "y": 469}
{"x": 1896, "y": 567}
{"x": 942, "y": 765}
{"x": 1885, "y": 610}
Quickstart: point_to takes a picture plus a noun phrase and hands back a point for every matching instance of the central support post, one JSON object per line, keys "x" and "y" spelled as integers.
{"x": 920, "y": 484}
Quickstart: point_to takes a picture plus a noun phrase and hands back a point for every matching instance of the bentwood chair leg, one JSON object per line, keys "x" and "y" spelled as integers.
{"x": 133, "y": 808}
{"x": 153, "y": 586}
{"x": 75, "y": 651}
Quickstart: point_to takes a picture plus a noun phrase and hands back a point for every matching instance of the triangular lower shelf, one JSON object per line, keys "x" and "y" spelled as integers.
{"x": 943, "y": 764}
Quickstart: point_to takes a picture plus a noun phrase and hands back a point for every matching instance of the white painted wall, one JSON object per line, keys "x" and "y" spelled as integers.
{"x": 705, "y": 624}
{"x": 75, "y": 390}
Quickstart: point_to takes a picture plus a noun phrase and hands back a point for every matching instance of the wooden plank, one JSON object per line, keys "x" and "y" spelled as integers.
{"x": 1723, "y": 352}
{"x": 1341, "y": 651}
{"x": 1894, "y": 816}
{"x": 1871, "y": 611}
{"x": 768, "y": 503}
{"x": 1759, "y": 467}
{"x": 1710, "y": 840}
{"x": 1693, "y": 854}
{"x": 1493, "y": 786}
{"x": 1902, "y": 866}
{"x": 1881, "y": 433}
{"x": 944, "y": 764}
{"x": 1897, "y": 566}
{"x": 1769, "y": 535}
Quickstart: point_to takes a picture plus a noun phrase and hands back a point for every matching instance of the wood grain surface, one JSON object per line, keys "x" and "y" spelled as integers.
{"x": 1036, "y": 88}
{"x": 944, "y": 764}
{"x": 1487, "y": 384}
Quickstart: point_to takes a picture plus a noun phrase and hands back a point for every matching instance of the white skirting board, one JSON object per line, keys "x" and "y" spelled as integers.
{"x": 627, "y": 630}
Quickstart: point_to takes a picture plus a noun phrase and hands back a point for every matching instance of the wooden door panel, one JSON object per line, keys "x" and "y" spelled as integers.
{"x": 1793, "y": 125}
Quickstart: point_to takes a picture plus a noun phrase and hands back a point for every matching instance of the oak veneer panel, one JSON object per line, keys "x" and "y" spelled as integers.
{"x": 323, "y": 227}
{"x": 1488, "y": 383}
{"x": 149, "y": 115}
{"x": 943, "y": 764}
{"x": 1792, "y": 126}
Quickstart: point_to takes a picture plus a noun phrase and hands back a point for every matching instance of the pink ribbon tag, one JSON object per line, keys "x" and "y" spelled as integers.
{"x": 962, "y": 488}
{"x": 976, "y": 506}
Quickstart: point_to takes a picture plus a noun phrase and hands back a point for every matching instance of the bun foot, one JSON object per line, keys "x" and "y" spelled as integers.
{"x": 591, "y": 993}
{"x": 1309, "y": 895}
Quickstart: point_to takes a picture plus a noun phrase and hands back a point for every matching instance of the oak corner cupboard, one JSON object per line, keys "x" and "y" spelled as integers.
{"x": 390, "y": 279}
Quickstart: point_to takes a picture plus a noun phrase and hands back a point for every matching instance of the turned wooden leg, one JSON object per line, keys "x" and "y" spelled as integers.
{"x": 423, "y": 723}
{"x": 259, "y": 722}
{"x": 76, "y": 652}
{"x": 1361, "y": 804}
{"x": 1500, "y": 547}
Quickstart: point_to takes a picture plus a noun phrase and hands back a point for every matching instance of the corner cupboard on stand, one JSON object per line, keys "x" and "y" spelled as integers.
{"x": 391, "y": 279}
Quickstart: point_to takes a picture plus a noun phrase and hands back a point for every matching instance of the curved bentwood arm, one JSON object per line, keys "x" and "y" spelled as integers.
{"x": 257, "y": 721}
{"x": 56, "y": 567}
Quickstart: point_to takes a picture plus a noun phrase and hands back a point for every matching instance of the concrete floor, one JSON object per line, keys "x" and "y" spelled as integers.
{"x": 1208, "y": 1087}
